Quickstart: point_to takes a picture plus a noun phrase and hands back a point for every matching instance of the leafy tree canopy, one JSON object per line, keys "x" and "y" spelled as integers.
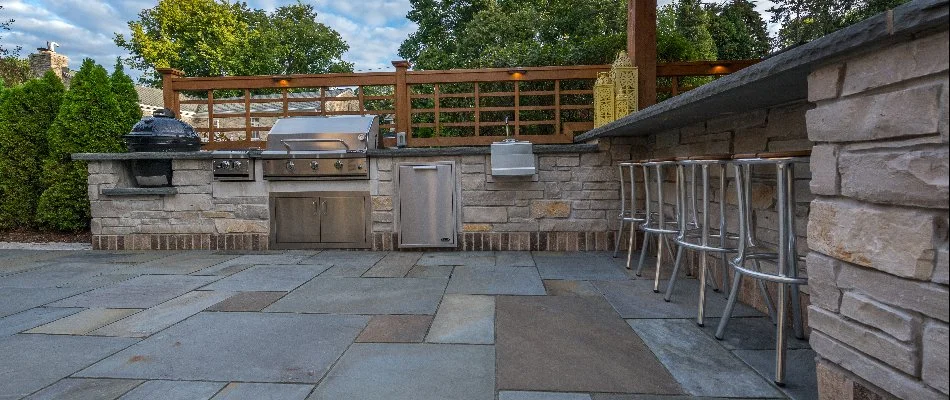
{"x": 805, "y": 20}
{"x": 219, "y": 38}
{"x": 14, "y": 70}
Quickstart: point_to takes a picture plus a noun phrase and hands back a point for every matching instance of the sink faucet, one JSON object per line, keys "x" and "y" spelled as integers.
{"x": 507, "y": 134}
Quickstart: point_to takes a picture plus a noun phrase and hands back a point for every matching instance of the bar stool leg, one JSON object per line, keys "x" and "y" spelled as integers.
{"x": 619, "y": 234}
{"x": 780, "y": 351}
{"x": 676, "y": 269}
{"x": 705, "y": 241}
{"x": 633, "y": 235}
{"x": 643, "y": 253}
{"x": 661, "y": 216}
{"x": 730, "y": 304}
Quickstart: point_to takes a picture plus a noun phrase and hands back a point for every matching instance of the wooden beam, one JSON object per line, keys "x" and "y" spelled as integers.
{"x": 401, "y": 94}
{"x": 641, "y": 46}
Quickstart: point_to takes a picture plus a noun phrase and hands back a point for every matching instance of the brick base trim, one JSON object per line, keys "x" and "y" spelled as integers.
{"x": 515, "y": 241}
{"x": 235, "y": 241}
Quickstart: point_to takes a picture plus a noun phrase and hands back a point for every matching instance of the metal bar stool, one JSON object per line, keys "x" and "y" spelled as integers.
{"x": 696, "y": 235}
{"x": 657, "y": 224}
{"x": 629, "y": 212}
{"x": 746, "y": 263}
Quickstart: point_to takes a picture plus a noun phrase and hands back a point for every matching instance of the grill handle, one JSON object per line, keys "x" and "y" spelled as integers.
{"x": 287, "y": 142}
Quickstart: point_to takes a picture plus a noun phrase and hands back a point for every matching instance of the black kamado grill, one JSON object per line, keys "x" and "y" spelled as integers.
{"x": 161, "y": 132}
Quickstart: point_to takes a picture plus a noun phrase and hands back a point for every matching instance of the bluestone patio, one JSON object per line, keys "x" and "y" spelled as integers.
{"x": 369, "y": 325}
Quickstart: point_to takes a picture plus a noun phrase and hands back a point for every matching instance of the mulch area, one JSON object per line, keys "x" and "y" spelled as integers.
{"x": 25, "y": 235}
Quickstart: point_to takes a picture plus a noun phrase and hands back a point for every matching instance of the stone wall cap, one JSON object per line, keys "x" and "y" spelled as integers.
{"x": 480, "y": 150}
{"x": 783, "y": 77}
{"x": 170, "y": 155}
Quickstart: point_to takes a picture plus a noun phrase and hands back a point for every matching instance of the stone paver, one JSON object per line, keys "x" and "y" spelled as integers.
{"x": 464, "y": 319}
{"x": 577, "y": 266}
{"x": 263, "y": 391}
{"x": 430, "y": 271}
{"x": 66, "y": 275}
{"x": 31, "y": 362}
{"x": 375, "y": 371}
{"x": 801, "y": 381}
{"x": 274, "y": 258}
{"x": 247, "y": 301}
{"x": 514, "y": 281}
{"x": 699, "y": 364}
{"x": 344, "y": 258}
{"x": 539, "y": 338}
{"x": 571, "y": 288}
{"x": 223, "y": 269}
{"x": 86, "y": 389}
{"x": 509, "y": 395}
{"x": 247, "y": 347}
{"x": 393, "y": 265}
{"x": 514, "y": 259}
{"x": 14, "y": 300}
{"x": 163, "y": 315}
{"x": 468, "y": 258}
{"x": 635, "y": 299}
{"x": 32, "y": 318}
{"x": 140, "y": 292}
{"x": 180, "y": 265}
{"x": 364, "y": 296}
{"x": 346, "y": 271}
{"x": 268, "y": 278}
{"x": 174, "y": 390}
{"x": 395, "y": 329}
{"x": 85, "y": 321}
{"x": 751, "y": 333}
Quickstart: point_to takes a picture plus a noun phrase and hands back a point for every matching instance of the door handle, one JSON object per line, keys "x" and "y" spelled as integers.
{"x": 425, "y": 167}
{"x": 323, "y": 205}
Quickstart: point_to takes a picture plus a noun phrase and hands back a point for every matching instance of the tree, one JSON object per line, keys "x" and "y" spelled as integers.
{"x": 504, "y": 33}
{"x": 15, "y": 70}
{"x": 805, "y": 20}
{"x": 125, "y": 95}
{"x": 89, "y": 120}
{"x": 218, "y": 38}
{"x": 739, "y": 31}
{"x": 25, "y": 118}
{"x": 5, "y": 26}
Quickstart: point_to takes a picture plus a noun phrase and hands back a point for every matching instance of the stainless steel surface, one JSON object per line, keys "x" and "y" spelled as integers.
{"x": 232, "y": 165}
{"x": 427, "y": 205}
{"x": 298, "y": 148}
{"x": 315, "y": 220}
{"x": 512, "y": 158}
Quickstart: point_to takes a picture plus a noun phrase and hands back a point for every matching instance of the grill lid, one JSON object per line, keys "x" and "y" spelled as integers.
{"x": 162, "y": 132}
{"x": 336, "y": 134}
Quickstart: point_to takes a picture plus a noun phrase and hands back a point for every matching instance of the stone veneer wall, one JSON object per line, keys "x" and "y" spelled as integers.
{"x": 878, "y": 228}
{"x": 571, "y": 204}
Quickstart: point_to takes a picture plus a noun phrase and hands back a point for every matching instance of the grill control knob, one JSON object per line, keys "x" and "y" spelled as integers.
{"x": 290, "y": 165}
{"x": 338, "y": 164}
{"x": 359, "y": 166}
{"x": 314, "y": 165}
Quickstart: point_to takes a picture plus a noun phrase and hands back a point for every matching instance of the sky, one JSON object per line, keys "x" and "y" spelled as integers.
{"x": 374, "y": 29}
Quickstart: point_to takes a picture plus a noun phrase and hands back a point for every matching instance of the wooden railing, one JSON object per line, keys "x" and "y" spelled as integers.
{"x": 434, "y": 108}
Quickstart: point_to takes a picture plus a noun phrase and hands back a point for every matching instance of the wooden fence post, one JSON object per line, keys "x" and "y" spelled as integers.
{"x": 169, "y": 94}
{"x": 401, "y": 93}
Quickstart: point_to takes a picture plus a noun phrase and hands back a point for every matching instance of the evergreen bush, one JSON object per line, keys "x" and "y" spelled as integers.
{"x": 89, "y": 120}
{"x": 124, "y": 91}
{"x": 25, "y": 118}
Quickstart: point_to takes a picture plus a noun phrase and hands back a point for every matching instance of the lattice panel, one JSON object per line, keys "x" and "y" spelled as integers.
{"x": 604, "y": 109}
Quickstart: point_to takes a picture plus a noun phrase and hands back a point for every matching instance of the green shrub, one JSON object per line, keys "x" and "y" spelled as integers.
{"x": 124, "y": 91}
{"x": 89, "y": 121}
{"x": 25, "y": 118}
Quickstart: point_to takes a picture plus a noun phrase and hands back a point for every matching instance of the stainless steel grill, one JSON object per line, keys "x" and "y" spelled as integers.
{"x": 314, "y": 148}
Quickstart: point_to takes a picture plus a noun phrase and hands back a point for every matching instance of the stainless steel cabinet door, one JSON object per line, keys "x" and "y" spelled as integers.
{"x": 296, "y": 220}
{"x": 427, "y": 205}
{"x": 343, "y": 219}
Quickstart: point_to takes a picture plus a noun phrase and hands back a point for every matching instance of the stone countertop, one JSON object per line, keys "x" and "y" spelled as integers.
{"x": 404, "y": 152}
{"x": 781, "y": 78}
{"x": 177, "y": 155}
{"x": 479, "y": 150}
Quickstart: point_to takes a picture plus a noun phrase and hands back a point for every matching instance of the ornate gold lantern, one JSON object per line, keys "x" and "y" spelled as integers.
{"x": 624, "y": 76}
{"x": 603, "y": 99}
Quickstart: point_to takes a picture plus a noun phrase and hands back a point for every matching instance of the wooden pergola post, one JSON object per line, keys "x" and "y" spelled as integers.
{"x": 169, "y": 93}
{"x": 641, "y": 46}
{"x": 401, "y": 93}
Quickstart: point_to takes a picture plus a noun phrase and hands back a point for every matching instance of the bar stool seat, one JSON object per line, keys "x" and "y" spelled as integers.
{"x": 750, "y": 254}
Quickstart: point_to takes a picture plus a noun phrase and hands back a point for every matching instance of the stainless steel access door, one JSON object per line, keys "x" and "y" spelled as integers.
{"x": 427, "y": 205}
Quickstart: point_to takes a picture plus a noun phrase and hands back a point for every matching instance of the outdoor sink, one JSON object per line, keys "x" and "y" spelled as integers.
{"x": 512, "y": 158}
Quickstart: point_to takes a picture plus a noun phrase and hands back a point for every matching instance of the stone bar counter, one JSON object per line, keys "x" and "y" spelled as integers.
{"x": 871, "y": 102}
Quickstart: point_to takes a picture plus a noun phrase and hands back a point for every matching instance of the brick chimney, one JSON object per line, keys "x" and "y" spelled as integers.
{"x": 46, "y": 58}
